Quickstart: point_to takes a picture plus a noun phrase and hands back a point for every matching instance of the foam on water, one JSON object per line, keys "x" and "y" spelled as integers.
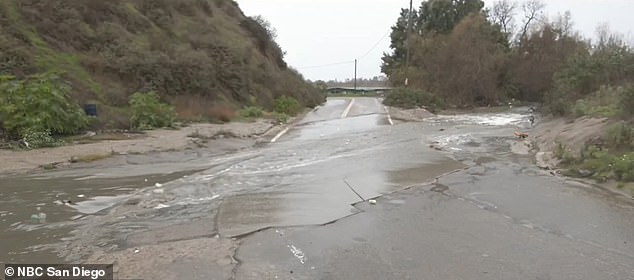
{"x": 501, "y": 119}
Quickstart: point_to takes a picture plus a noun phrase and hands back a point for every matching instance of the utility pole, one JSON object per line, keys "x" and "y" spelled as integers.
{"x": 407, "y": 45}
{"x": 355, "y": 75}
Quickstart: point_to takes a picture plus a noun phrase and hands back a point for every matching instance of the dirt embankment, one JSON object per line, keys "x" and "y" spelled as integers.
{"x": 192, "y": 136}
{"x": 575, "y": 135}
{"x": 548, "y": 134}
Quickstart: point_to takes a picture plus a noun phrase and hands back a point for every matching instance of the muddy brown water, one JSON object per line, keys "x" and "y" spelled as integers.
{"x": 24, "y": 200}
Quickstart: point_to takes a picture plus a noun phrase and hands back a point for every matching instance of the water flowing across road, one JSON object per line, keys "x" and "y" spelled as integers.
{"x": 322, "y": 170}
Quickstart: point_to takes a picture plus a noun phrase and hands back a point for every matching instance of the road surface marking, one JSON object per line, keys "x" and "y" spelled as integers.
{"x": 389, "y": 118}
{"x": 280, "y": 134}
{"x": 347, "y": 110}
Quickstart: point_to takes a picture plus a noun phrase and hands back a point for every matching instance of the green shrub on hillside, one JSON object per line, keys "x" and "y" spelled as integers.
{"x": 624, "y": 167}
{"x": 621, "y": 136}
{"x": 627, "y": 101}
{"x": 38, "y": 107}
{"x": 148, "y": 112}
{"x": 412, "y": 98}
{"x": 251, "y": 112}
{"x": 287, "y": 105}
{"x": 605, "y": 162}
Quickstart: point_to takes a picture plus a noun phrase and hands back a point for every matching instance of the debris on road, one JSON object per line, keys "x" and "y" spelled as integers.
{"x": 372, "y": 201}
{"x": 40, "y": 218}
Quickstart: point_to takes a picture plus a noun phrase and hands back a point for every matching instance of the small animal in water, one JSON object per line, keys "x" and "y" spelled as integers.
{"x": 532, "y": 120}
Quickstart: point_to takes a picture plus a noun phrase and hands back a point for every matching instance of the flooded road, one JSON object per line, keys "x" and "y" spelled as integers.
{"x": 299, "y": 206}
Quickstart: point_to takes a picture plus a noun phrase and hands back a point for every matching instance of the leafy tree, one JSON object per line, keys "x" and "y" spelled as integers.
{"x": 441, "y": 16}
{"x": 535, "y": 62}
{"x": 398, "y": 37}
{"x": 464, "y": 66}
{"x": 433, "y": 17}
{"x": 38, "y": 104}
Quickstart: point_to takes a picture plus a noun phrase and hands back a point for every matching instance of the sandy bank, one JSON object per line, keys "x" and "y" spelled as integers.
{"x": 575, "y": 135}
{"x": 192, "y": 136}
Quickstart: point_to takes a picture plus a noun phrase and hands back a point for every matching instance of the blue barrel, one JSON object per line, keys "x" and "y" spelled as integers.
{"x": 90, "y": 109}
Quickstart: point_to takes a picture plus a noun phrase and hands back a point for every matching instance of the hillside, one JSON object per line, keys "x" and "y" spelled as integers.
{"x": 203, "y": 56}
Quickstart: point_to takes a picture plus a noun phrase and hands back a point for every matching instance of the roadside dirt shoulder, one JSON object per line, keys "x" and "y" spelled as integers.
{"x": 192, "y": 136}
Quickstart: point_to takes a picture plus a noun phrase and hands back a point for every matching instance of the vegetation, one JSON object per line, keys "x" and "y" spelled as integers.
{"x": 613, "y": 159}
{"x": 148, "y": 112}
{"x": 465, "y": 55}
{"x": 413, "y": 98}
{"x": 205, "y": 57}
{"x": 470, "y": 56}
{"x": 251, "y": 112}
{"x": 38, "y": 107}
{"x": 376, "y": 81}
{"x": 287, "y": 105}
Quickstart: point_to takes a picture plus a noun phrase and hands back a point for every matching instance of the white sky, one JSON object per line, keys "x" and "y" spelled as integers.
{"x": 324, "y": 32}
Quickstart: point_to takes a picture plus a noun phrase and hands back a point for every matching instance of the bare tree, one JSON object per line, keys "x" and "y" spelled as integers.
{"x": 533, "y": 11}
{"x": 563, "y": 24}
{"x": 503, "y": 13}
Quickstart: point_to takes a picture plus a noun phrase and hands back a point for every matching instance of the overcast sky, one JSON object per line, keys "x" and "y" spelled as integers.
{"x": 315, "y": 33}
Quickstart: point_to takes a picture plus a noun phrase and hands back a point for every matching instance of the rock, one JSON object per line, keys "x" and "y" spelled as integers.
{"x": 543, "y": 160}
{"x": 585, "y": 172}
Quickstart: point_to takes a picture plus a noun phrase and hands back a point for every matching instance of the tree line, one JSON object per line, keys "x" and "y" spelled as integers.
{"x": 468, "y": 55}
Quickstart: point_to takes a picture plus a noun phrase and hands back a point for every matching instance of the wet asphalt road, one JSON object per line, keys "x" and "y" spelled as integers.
{"x": 500, "y": 218}
{"x": 293, "y": 205}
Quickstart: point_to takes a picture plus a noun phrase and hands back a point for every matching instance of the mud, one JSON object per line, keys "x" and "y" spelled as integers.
{"x": 189, "y": 137}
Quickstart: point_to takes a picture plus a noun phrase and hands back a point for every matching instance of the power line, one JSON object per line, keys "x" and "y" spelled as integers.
{"x": 349, "y": 61}
{"x": 376, "y": 44}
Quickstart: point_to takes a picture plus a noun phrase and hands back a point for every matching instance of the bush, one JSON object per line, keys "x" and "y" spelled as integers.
{"x": 281, "y": 118}
{"x": 621, "y": 136}
{"x": 251, "y": 112}
{"x": 624, "y": 167}
{"x": 581, "y": 108}
{"x": 627, "y": 101}
{"x": 37, "y": 106}
{"x": 286, "y": 105}
{"x": 563, "y": 153}
{"x": 148, "y": 112}
{"x": 413, "y": 98}
{"x": 38, "y": 138}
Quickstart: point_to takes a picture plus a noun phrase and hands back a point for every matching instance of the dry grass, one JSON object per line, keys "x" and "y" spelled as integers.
{"x": 197, "y": 108}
